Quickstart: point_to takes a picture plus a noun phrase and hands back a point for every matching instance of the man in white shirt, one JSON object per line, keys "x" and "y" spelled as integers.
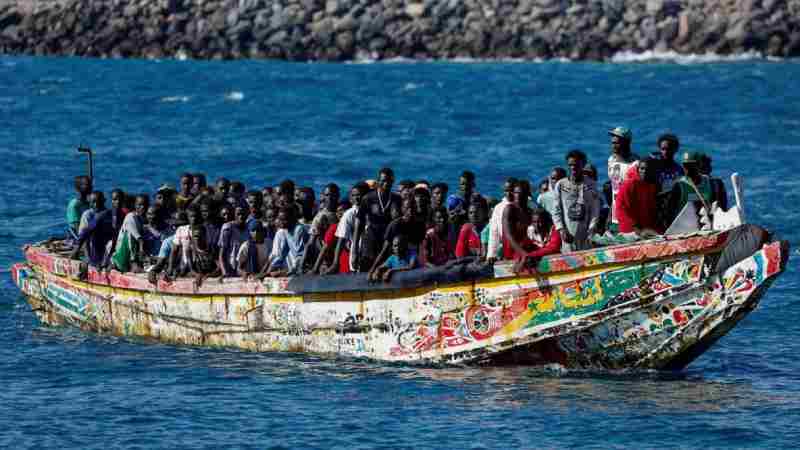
{"x": 494, "y": 248}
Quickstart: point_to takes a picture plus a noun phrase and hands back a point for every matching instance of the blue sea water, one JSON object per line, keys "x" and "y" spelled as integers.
{"x": 261, "y": 122}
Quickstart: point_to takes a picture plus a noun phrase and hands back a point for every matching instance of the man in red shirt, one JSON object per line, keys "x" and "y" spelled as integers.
{"x": 636, "y": 206}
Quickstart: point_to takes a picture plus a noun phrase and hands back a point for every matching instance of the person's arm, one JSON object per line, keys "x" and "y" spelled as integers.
{"x": 494, "y": 236}
{"x": 412, "y": 264}
{"x": 552, "y": 246}
{"x": 336, "y": 255}
{"x": 354, "y": 248}
{"x": 558, "y": 215}
{"x": 173, "y": 255}
{"x": 509, "y": 235}
{"x": 224, "y": 253}
{"x": 309, "y": 245}
{"x": 326, "y": 249}
{"x": 381, "y": 256}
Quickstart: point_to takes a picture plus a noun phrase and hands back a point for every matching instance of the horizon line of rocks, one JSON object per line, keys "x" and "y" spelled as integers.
{"x": 338, "y": 30}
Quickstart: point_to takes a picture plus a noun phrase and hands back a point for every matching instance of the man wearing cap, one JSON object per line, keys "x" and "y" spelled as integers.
{"x": 619, "y": 163}
{"x": 693, "y": 187}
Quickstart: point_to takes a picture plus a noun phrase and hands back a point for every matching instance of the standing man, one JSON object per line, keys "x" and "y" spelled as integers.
{"x": 96, "y": 231}
{"x": 719, "y": 194}
{"x": 374, "y": 215}
{"x": 494, "y": 248}
{"x": 619, "y": 163}
{"x": 577, "y": 206}
{"x": 78, "y": 205}
{"x": 329, "y": 202}
{"x": 546, "y": 200}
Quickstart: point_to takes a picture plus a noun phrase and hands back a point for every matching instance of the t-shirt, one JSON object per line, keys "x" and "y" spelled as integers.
{"x": 413, "y": 231}
{"x": 394, "y": 262}
{"x": 330, "y": 234}
{"x": 618, "y": 171}
{"x": 75, "y": 209}
{"x": 288, "y": 248}
{"x": 230, "y": 238}
{"x": 375, "y": 211}
{"x": 469, "y": 241}
{"x": 263, "y": 249}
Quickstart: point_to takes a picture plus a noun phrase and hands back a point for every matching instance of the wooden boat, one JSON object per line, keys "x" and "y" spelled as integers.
{"x": 655, "y": 304}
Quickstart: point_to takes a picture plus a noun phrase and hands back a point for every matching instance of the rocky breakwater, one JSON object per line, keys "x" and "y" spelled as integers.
{"x": 379, "y": 29}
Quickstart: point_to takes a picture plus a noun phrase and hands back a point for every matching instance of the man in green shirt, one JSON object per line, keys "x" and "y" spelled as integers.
{"x": 79, "y": 204}
{"x": 693, "y": 187}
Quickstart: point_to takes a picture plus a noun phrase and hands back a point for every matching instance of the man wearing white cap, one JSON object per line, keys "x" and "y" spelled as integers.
{"x": 621, "y": 159}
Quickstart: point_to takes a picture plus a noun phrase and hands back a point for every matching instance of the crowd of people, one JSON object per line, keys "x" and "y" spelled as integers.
{"x": 225, "y": 230}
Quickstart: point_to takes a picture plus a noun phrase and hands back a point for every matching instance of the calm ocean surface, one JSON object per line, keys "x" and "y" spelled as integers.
{"x": 261, "y": 122}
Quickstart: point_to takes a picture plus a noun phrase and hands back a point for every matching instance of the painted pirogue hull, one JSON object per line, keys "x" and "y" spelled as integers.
{"x": 654, "y": 304}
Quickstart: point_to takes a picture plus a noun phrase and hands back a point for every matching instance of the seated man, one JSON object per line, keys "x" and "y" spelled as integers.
{"x": 436, "y": 248}
{"x": 231, "y": 237}
{"x": 544, "y": 239}
{"x": 96, "y": 230}
{"x": 199, "y": 259}
{"x": 469, "y": 237}
{"x": 129, "y": 252}
{"x": 78, "y": 205}
{"x": 637, "y": 201}
{"x": 288, "y": 246}
{"x": 254, "y": 254}
{"x": 400, "y": 261}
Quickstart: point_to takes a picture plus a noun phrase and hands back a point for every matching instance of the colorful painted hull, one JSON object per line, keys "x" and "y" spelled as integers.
{"x": 654, "y": 304}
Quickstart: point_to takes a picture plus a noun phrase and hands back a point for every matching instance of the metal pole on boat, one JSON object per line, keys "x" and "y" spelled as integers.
{"x": 738, "y": 187}
{"x": 87, "y": 150}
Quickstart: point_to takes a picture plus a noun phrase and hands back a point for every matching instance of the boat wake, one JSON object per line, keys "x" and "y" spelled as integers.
{"x": 234, "y": 96}
{"x": 679, "y": 58}
{"x": 176, "y": 99}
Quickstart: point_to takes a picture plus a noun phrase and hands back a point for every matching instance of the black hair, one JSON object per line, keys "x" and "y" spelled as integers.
{"x": 468, "y": 175}
{"x": 144, "y": 196}
{"x": 406, "y": 183}
{"x": 287, "y": 186}
{"x": 441, "y": 210}
{"x": 562, "y": 172}
{"x": 671, "y": 138}
{"x": 422, "y": 191}
{"x": 440, "y": 186}
{"x": 386, "y": 171}
{"x": 544, "y": 214}
{"x": 187, "y": 175}
{"x": 362, "y": 187}
{"x": 256, "y": 194}
{"x": 332, "y": 187}
{"x": 237, "y": 187}
{"x": 223, "y": 180}
{"x": 577, "y": 154}
{"x": 202, "y": 177}
{"x": 512, "y": 180}
{"x": 81, "y": 178}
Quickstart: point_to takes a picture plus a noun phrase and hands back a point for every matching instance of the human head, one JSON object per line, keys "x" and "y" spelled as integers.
{"x": 199, "y": 235}
{"x": 117, "y": 198}
{"x": 285, "y": 193}
{"x": 541, "y": 220}
{"x": 576, "y": 160}
{"x": 406, "y": 188}
{"x": 223, "y": 186}
{"x": 206, "y": 212}
{"x": 305, "y": 196}
{"x": 152, "y": 215}
{"x": 648, "y": 170}
{"x": 621, "y": 138}
{"x": 478, "y": 212}
{"x": 97, "y": 200}
{"x": 329, "y": 198}
{"x": 556, "y": 174}
{"x": 422, "y": 198}
{"x": 186, "y": 183}
{"x": 237, "y": 188}
{"x": 440, "y": 219}
{"x": 590, "y": 171}
{"x": 193, "y": 215}
{"x": 270, "y": 214}
{"x": 240, "y": 216}
{"x": 466, "y": 183}
{"x": 226, "y": 213}
{"x": 400, "y": 245}
{"x": 668, "y": 146}
{"x": 705, "y": 164}
{"x": 522, "y": 192}
{"x": 198, "y": 182}
{"x": 508, "y": 188}
{"x": 254, "y": 201}
{"x": 83, "y": 185}
{"x": 544, "y": 186}
{"x": 407, "y": 209}
{"x": 286, "y": 217}
{"x": 357, "y": 192}
{"x": 385, "y": 179}
{"x": 438, "y": 194}
{"x": 141, "y": 204}
{"x": 691, "y": 163}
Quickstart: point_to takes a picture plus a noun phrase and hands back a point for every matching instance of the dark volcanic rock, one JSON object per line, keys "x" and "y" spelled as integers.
{"x": 344, "y": 29}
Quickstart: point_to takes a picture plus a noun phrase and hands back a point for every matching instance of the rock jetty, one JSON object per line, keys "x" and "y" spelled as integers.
{"x": 336, "y": 30}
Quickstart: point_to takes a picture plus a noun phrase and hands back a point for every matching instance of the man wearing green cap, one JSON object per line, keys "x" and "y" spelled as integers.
{"x": 693, "y": 187}
{"x": 619, "y": 163}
